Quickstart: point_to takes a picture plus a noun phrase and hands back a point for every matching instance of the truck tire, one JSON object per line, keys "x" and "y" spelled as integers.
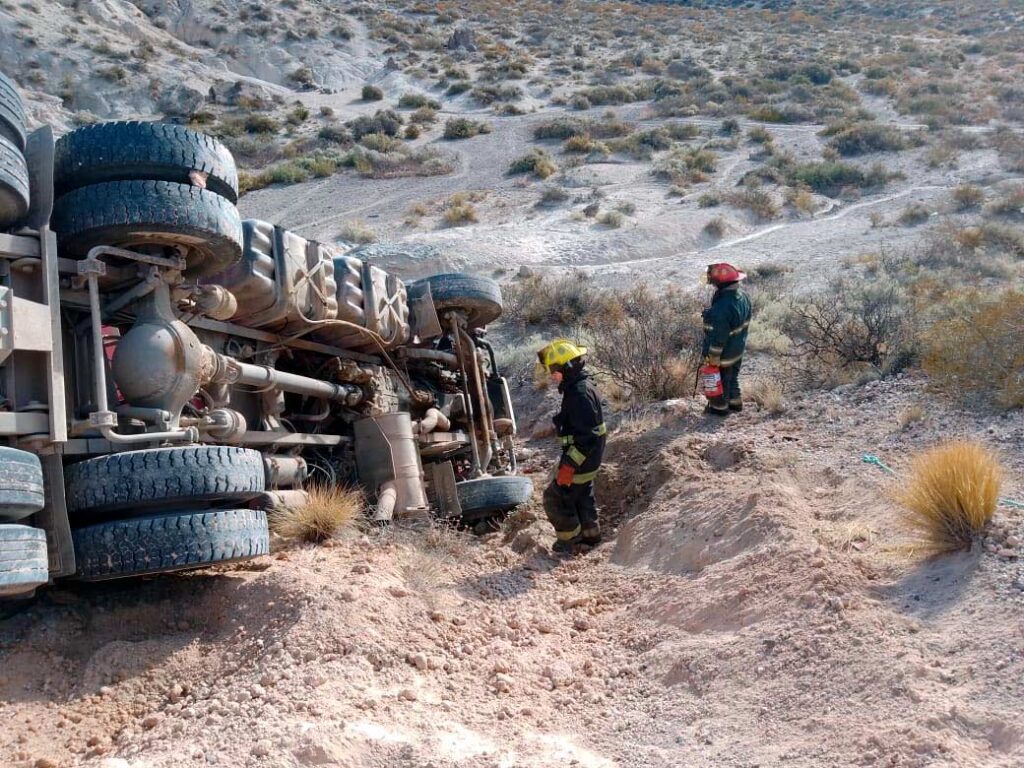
{"x": 163, "y": 477}
{"x": 12, "y": 113}
{"x": 126, "y": 151}
{"x": 131, "y": 214}
{"x": 21, "y": 484}
{"x": 175, "y": 541}
{"x": 24, "y": 564}
{"x": 487, "y": 496}
{"x": 13, "y": 184}
{"x": 478, "y": 297}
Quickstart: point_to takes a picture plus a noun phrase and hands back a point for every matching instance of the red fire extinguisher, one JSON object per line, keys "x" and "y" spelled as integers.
{"x": 711, "y": 381}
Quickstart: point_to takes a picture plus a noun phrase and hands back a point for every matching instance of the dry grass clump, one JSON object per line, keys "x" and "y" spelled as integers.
{"x": 768, "y": 394}
{"x": 951, "y": 494}
{"x": 358, "y": 232}
{"x": 330, "y": 511}
{"x": 910, "y": 415}
{"x": 460, "y": 214}
{"x": 967, "y": 196}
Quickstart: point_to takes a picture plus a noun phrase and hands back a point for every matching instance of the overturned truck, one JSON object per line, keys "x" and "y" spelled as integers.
{"x": 168, "y": 371}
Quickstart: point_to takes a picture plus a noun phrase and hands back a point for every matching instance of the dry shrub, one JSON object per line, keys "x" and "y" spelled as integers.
{"x": 850, "y": 327}
{"x": 560, "y": 301}
{"x": 716, "y": 228}
{"x": 459, "y": 212}
{"x": 976, "y": 348}
{"x": 330, "y": 511}
{"x": 611, "y": 219}
{"x": 967, "y": 196}
{"x": 951, "y": 494}
{"x": 649, "y": 341}
{"x": 757, "y": 201}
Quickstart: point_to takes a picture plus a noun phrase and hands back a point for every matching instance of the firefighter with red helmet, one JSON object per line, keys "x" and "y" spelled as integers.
{"x": 726, "y": 323}
{"x": 569, "y": 499}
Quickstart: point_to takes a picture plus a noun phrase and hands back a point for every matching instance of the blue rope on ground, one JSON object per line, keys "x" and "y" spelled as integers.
{"x": 870, "y": 458}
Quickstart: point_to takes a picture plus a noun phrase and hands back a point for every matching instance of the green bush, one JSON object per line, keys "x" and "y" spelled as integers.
{"x": 863, "y": 138}
{"x": 489, "y": 94}
{"x": 828, "y": 178}
{"x": 566, "y": 127}
{"x": 383, "y": 121}
{"x": 464, "y": 128}
{"x": 261, "y": 124}
{"x": 335, "y": 134}
{"x": 417, "y": 100}
{"x": 372, "y": 93}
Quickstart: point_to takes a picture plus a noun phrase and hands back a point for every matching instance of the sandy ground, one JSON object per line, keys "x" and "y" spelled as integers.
{"x": 757, "y": 606}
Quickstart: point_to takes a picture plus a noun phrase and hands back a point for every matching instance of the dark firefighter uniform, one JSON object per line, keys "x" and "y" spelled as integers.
{"x": 571, "y": 508}
{"x": 726, "y": 323}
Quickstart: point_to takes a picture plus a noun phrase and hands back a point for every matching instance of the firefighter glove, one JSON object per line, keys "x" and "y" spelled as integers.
{"x": 565, "y": 475}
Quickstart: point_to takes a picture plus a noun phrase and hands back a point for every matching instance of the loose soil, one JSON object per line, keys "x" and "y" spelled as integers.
{"x": 756, "y": 604}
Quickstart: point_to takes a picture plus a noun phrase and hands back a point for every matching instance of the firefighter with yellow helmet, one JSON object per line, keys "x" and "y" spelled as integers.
{"x": 569, "y": 499}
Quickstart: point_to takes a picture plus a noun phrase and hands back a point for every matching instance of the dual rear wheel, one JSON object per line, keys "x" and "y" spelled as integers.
{"x": 165, "y": 509}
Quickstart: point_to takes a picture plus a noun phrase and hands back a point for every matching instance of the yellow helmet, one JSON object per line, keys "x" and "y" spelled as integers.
{"x": 559, "y": 352}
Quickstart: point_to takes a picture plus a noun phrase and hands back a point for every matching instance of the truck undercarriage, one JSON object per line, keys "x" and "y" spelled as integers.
{"x": 168, "y": 371}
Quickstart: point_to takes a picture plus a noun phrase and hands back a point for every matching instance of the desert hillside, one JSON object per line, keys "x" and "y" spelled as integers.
{"x": 760, "y": 598}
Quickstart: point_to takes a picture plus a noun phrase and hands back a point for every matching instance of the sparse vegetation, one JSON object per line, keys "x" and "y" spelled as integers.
{"x": 372, "y": 93}
{"x": 950, "y": 495}
{"x": 648, "y": 341}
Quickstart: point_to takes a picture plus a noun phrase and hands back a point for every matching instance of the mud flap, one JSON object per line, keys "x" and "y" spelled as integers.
{"x": 39, "y": 156}
{"x": 53, "y": 518}
{"x": 422, "y": 313}
{"x": 443, "y": 493}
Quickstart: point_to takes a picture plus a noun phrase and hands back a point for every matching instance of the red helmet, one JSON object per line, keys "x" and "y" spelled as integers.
{"x": 722, "y": 274}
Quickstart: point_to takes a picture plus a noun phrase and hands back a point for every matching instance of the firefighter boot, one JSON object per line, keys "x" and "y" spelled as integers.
{"x": 560, "y": 507}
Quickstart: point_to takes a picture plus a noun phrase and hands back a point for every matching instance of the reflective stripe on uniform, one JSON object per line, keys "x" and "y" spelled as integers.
{"x": 566, "y": 440}
{"x": 709, "y": 327}
{"x": 715, "y": 350}
{"x": 576, "y": 456}
{"x": 740, "y": 330}
{"x": 584, "y": 477}
{"x": 592, "y": 532}
{"x": 730, "y": 361}
{"x": 601, "y": 430}
{"x": 568, "y": 535}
